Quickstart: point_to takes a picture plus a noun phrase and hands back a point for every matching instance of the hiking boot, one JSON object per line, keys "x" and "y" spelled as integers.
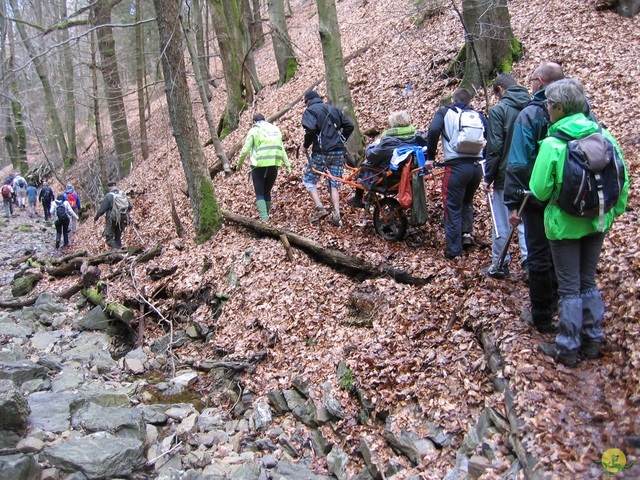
{"x": 319, "y": 214}
{"x": 590, "y": 350}
{"x": 542, "y": 327}
{"x": 551, "y": 349}
{"x": 467, "y": 240}
{"x": 355, "y": 202}
{"x": 336, "y": 220}
{"x": 498, "y": 273}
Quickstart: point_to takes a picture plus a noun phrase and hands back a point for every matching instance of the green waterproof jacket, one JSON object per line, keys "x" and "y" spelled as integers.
{"x": 546, "y": 179}
{"x": 264, "y": 143}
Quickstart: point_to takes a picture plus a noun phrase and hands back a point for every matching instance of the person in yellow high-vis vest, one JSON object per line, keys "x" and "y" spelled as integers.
{"x": 267, "y": 154}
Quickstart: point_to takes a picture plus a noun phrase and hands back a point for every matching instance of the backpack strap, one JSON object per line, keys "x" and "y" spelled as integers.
{"x": 444, "y": 128}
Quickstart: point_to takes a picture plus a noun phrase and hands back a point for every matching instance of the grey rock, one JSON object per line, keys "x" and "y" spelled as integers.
{"x": 299, "y": 471}
{"x": 8, "y": 439}
{"x": 96, "y": 319}
{"x": 185, "y": 379}
{"x": 293, "y": 399}
{"x": 248, "y": 471}
{"x": 460, "y": 471}
{"x": 19, "y": 467}
{"x": 289, "y": 447}
{"x": 134, "y": 365}
{"x": 161, "y": 345}
{"x": 212, "y": 418}
{"x": 51, "y": 411}
{"x": 14, "y": 408}
{"x": 437, "y": 434}
{"x": 337, "y": 461}
{"x": 169, "y": 474}
{"x": 46, "y": 307}
{"x": 278, "y": 402}
{"x": 199, "y": 458}
{"x": 478, "y": 464}
{"x": 43, "y": 341}
{"x": 68, "y": 379}
{"x": 218, "y": 469}
{"x": 30, "y": 445}
{"x": 97, "y": 455}
{"x": 319, "y": 443}
{"x": 180, "y": 412}
{"x": 84, "y": 346}
{"x": 20, "y": 371}
{"x": 36, "y": 385}
{"x": 301, "y": 386}
{"x": 266, "y": 444}
{"x": 119, "y": 421}
{"x": 269, "y": 461}
{"x": 365, "y": 450}
{"x": 330, "y": 403}
{"x": 262, "y": 416}
{"x": 363, "y": 474}
{"x": 188, "y": 425}
{"x": 153, "y": 414}
{"x": 15, "y": 331}
{"x": 51, "y": 474}
{"x": 475, "y": 435}
{"x": 409, "y": 444}
{"x": 102, "y": 361}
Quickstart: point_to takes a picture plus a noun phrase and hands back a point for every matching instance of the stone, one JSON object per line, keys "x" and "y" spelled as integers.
{"x": 409, "y": 444}
{"x": 278, "y": 402}
{"x": 337, "y": 461}
{"x": 50, "y": 411}
{"x": 180, "y": 412}
{"x": 96, "y": 319}
{"x": 46, "y": 306}
{"x": 50, "y": 474}
{"x": 199, "y": 458}
{"x": 300, "y": 470}
{"x": 153, "y": 414}
{"x": 212, "y": 418}
{"x": 261, "y": 416}
{"x": 102, "y": 361}
{"x": 475, "y": 434}
{"x": 97, "y": 455}
{"x": 8, "y": 439}
{"x": 20, "y": 371}
{"x": 14, "y": 408}
{"x": 43, "y": 341}
{"x": 16, "y": 331}
{"x": 120, "y": 421}
{"x": 269, "y": 461}
{"x": 289, "y": 447}
{"x": 19, "y": 467}
{"x": 134, "y": 365}
{"x": 85, "y": 345}
{"x": 186, "y": 379}
{"x": 248, "y": 471}
{"x": 161, "y": 345}
{"x": 23, "y": 285}
{"x": 478, "y": 464}
{"x": 30, "y": 445}
{"x": 188, "y": 425}
{"x": 367, "y": 456}
{"x": 68, "y": 379}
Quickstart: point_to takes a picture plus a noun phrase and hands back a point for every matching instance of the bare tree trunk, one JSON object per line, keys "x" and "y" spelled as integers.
{"x": 206, "y": 215}
{"x": 285, "y": 58}
{"x": 249, "y": 45}
{"x": 140, "y": 80}
{"x": 68, "y": 78}
{"x": 15, "y": 134}
{"x": 202, "y": 59}
{"x": 41, "y": 70}
{"x": 255, "y": 25}
{"x": 203, "y": 89}
{"x": 491, "y": 47}
{"x": 96, "y": 112}
{"x": 111, "y": 76}
{"x": 337, "y": 82}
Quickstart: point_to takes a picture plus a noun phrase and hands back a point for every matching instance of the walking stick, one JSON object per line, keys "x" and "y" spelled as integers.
{"x": 490, "y": 200}
{"x": 135, "y": 230}
{"x": 505, "y": 248}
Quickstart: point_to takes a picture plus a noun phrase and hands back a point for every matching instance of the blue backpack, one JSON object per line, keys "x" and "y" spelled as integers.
{"x": 593, "y": 176}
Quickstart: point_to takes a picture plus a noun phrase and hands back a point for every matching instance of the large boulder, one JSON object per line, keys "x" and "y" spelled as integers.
{"x": 19, "y": 467}
{"x": 14, "y": 408}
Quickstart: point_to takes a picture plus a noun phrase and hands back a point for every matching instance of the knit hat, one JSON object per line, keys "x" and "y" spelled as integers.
{"x": 111, "y": 183}
{"x": 310, "y": 95}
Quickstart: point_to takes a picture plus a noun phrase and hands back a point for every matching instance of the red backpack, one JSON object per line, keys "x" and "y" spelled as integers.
{"x": 6, "y": 191}
{"x": 71, "y": 198}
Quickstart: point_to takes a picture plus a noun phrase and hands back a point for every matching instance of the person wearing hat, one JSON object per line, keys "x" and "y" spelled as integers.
{"x": 326, "y": 131}
{"x": 264, "y": 144}
{"x": 74, "y": 200}
{"x": 112, "y": 228}
{"x": 61, "y": 212}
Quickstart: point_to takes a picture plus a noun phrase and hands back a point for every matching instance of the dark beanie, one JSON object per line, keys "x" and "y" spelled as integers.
{"x": 111, "y": 183}
{"x": 61, "y": 197}
{"x": 310, "y": 95}
{"x": 258, "y": 117}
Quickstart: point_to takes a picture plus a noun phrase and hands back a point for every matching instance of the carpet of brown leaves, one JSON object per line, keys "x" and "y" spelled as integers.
{"x": 403, "y": 356}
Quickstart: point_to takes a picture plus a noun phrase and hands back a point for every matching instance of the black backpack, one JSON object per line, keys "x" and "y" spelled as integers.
{"x": 593, "y": 176}
{"x": 61, "y": 211}
{"x": 47, "y": 194}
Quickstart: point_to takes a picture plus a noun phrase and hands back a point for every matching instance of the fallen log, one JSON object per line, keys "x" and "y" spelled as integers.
{"x": 331, "y": 257}
{"x": 113, "y": 309}
{"x": 18, "y": 303}
{"x": 150, "y": 254}
{"x": 65, "y": 259}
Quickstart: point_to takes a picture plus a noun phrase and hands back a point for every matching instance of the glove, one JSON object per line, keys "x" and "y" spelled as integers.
{"x": 288, "y": 169}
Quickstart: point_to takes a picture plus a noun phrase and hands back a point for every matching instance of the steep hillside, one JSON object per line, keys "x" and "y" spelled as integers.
{"x": 416, "y": 353}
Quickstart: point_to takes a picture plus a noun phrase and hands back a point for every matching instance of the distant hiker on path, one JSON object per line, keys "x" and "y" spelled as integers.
{"x": 116, "y": 206}
{"x": 46, "y": 196}
{"x": 20, "y": 189}
{"x": 7, "y": 199}
{"x": 326, "y": 131}
{"x": 74, "y": 200}
{"x": 62, "y": 212}
{"x": 32, "y": 196}
{"x": 264, "y": 145}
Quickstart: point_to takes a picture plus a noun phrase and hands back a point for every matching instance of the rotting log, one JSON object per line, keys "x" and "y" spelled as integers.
{"x": 150, "y": 254}
{"x": 18, "y": 261}
{"x": 18, "y": 303}
{"x": 60, "y": 261}
{"x": 113, "y": 309}
{"x": 74, "y": 264}
{"x": 287, "y": 247}
{"x": 331, "y": 257}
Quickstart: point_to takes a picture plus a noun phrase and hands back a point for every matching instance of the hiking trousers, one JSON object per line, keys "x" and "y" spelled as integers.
{"x": 112, "y": 233}
{"x": 264, "y": 178}
{"x": 8, "y": 206}
{"x": 580, "y": 308}
{"x": 62, "y": 230}
{"x": 459, "y": 185}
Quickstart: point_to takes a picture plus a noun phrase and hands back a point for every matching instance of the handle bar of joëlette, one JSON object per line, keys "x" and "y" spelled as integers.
{"x": 352, "y": 183}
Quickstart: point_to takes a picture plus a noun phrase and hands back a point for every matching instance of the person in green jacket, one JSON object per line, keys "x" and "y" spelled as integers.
{"x": 575, "y": 242}
{"x": 264, "y": 145}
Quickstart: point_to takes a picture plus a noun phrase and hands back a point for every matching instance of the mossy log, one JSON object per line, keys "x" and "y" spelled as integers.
{"x": 23, "y": 285}
{"x": 113, "y": 309}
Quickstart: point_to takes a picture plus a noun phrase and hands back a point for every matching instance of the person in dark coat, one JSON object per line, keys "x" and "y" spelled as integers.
{"x": 112, "y": 229}
{"x": 502, "y": 117}
{"x": 46, "y": 196}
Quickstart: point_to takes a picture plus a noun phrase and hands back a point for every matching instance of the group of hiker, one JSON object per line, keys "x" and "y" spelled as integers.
{"x": 526, "y": 156}
{"x": 64, "y": 210}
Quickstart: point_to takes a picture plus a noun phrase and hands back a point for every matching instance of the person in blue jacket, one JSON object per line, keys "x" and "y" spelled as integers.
{"x": 32, "y": 197}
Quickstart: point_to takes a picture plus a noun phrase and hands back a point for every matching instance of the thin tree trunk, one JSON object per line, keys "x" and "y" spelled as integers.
{"x": 203, "y": 89}
{"x": 68, "y": 78}
{"x": 337, "y": 82}
{"x": 112, "y": 85}
{"x": 140, "y": 78}
{"x": 206, "y": 215}
{"x": 96, "y": 112}
{"x": 202, "y": 59}
{"x": 41, "y": 70}
{"x": 285, "y": 58}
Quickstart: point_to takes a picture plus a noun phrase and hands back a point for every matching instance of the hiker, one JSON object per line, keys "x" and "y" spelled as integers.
{"x": 61, "y": 212}
{"x": 20, "y": 190}
{"x": 530, "y": 128}
{"x": 512, "y": 98}
{"x": 378, "y": 154}
{"x": 462, "y": 130}
{"x": 575, "y": 242}
{"x": 326, "y": 131}
{"x": 32, "y": 196}
{"x": 74, "y": 200}
{"x": 264, "y": 144}
{"x": 113, "y": 224}
{"x": 46, "y": 195}
{"x": 7, "y": 199}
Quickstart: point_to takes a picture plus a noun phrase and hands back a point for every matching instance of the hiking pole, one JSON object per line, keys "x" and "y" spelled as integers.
{"x": 490, "y": 200}
{"x": 505, "y": 248}
{"x": 135, "y": 230}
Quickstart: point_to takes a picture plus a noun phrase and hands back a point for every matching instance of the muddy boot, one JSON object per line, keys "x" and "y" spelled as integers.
{"x": 541, "y": 296}
{"x": 592, "y": 315}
